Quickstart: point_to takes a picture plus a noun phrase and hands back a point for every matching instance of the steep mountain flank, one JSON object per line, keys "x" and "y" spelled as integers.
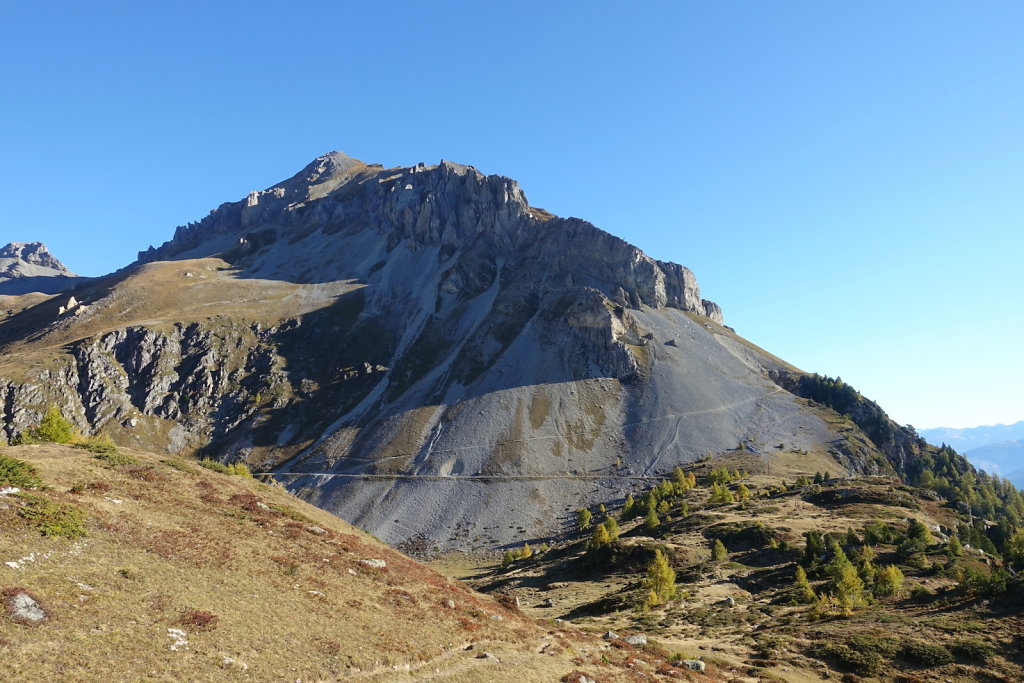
{"x": 417, "y": 350}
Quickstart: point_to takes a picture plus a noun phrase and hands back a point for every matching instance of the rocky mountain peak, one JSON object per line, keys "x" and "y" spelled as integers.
{"x": 30, "y": 259}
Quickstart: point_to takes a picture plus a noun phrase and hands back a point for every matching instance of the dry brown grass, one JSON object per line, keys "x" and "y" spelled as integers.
{"x": 259, "y": 592}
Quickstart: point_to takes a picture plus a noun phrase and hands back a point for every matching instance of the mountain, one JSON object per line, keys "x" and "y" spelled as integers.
{"x": 422, "y": 352}
{"x": 1005, "y": 458}
{"x": 970, "y": 438}
{"x": 30, "y": 267}
{"x": 998, "y": 449}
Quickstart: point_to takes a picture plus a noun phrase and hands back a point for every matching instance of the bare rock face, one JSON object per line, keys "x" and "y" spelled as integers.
{"x": 417, "y": 350}
{"x": 30, "y": 267}
{"x": 17, "y": 258}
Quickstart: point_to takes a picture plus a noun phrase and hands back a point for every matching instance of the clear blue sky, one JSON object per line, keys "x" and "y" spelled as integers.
{"x": 845, "y": 179}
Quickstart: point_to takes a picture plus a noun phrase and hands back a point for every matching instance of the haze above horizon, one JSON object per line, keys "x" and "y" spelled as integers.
{"x": 843, "y": 180}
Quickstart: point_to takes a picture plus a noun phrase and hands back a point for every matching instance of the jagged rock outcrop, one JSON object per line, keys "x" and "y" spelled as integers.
{"x": 30, "y": 267}
{"x": 415, "y": 349}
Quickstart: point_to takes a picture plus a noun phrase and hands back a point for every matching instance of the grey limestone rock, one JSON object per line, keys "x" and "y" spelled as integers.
{"x": 23, "y": 608}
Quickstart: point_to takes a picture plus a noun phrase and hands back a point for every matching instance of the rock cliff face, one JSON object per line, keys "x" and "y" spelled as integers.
{"x": 415, "y": 349}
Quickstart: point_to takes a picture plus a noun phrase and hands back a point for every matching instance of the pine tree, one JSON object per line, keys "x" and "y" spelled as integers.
{"x": 661, "y": 579}
{"x": 600, "y": 537}
{"x": 888, "y": 582}
{"x": 679, "y": 477}
{"x": 583, "y": 518}
{"x": 742, "y": 492}
{"x": 1014, "y": 548}
{"x": 526, "y": 552}
{"x": 651, "y": 521}
{"x": 54, "y": 428}
{"x": 815, "y": 548}
{"x": 846, "y": 584}
{"x": 628, "y": 508}
{"x": 613, "y": 528}
{"x": 955, "y": 548}
{"x": 804, "y": 592}
{"x": 917, "y": 530}
{"x": 718, "y": 551}
{"x": 720, "y": 495}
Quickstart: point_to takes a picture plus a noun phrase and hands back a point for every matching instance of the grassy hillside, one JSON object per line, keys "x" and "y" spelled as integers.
{"x": 143, "y": 567}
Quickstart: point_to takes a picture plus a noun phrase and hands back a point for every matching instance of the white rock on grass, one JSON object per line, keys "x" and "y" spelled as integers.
{"x": 24, "y": 608}
{"x": 377, "y": 564}
{"x": 180, "y": 638}
{"x": 637, "y": 640}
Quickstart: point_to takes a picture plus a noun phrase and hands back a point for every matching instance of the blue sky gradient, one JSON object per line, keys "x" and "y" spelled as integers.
{"x": 843, "y": 178}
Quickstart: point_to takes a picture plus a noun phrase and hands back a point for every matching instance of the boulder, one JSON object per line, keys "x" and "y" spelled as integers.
{"x": 25, "y": 609}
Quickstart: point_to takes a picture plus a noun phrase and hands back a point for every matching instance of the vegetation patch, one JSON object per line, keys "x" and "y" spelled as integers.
{"x": 198, "y": 620}
{"x": 18, "y": 473}
{"x": 53, "y": 519}
{"x": 925, "y": 654}
{"x": 101, "y": 444}
{"x": 863, "y": 663}
{"x": 238, "y": 468}
{"x": 973, "y": 649}
{"x": 114, "y": 459}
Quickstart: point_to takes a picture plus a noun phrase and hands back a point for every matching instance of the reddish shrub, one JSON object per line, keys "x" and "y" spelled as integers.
{"x": 199, "y": 620}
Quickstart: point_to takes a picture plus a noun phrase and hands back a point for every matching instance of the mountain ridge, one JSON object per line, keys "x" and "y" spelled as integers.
{"x": 419, "y": 351}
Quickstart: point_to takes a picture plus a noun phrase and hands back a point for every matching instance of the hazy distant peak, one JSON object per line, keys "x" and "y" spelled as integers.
{"x": 24, "y": 259}
{"x": 30, "y": 267}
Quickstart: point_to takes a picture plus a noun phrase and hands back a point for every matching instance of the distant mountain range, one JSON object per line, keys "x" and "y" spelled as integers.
{"x": 998, "y": 449}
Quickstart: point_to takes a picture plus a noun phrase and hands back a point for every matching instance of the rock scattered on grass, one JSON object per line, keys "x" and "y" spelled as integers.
{"x": 377, "y": 564}
{"x": 24, "y": 608}
{"x": 690, "y": 664}
{"x": 637, "y": 640}
{"x": 180, "y": 638}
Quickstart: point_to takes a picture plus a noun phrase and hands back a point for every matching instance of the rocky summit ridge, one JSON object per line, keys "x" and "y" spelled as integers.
{"x": 415, "y": 349}
{"x": 450, "y": 208}
{"x": 30, "y": 267}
